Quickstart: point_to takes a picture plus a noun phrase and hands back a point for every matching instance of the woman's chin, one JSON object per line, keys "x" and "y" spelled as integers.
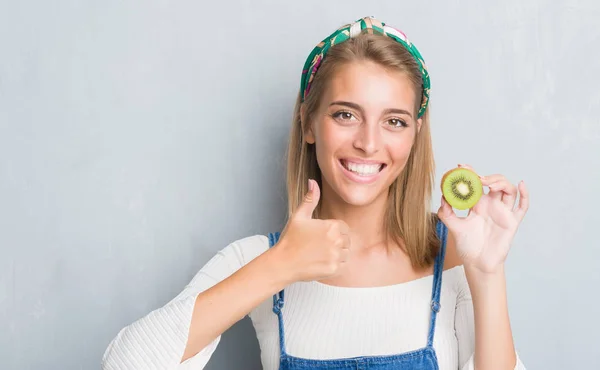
{"x": 356, "y": 194}
{"x": 359, "y": 197}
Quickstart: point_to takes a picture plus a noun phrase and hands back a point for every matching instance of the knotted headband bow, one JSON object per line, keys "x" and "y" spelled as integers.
{"x": 352, "y": 30}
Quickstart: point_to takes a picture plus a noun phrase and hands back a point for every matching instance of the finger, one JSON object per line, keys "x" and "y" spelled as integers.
{"x": 345, "y": 255}
{"x": 446, "y": 213}
{"x": 480, "y": 207}
{"x": 523, "y": 202}
{"x": 345, "y": 252}
{"x": 348, "y": 242}
{"x": 490, "y": 179}
{"x": 344, "y": 228}
{"x": 505, "y": 191}
{"x": 338, "y": 226}
{"x": 310, "y": 201}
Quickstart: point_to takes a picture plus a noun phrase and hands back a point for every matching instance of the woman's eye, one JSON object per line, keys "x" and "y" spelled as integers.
{"x": 344, "y": 116}
{"x": 397, "y": 122}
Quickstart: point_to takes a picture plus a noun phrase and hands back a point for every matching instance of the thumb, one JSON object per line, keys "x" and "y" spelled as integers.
{"x": 446, "y": 214}
{"x": 310, "y": 201}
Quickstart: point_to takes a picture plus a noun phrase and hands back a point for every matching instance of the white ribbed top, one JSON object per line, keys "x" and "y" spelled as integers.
{"x": 320, "y": 321}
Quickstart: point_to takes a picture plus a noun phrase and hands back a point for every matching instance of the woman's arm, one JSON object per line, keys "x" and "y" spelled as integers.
{"x": 227, "y": 288}
{"x": 309, "y": 249}
{"x": 482, "y": 324}
{"x": 234, "y": 281}
{"x": 494, "y": 347}
{"x": 224, "y": 304}
{"x": 482, "y": 240}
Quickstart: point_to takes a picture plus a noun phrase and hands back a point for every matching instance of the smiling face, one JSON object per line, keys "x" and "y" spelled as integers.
{"x": 363, "y": 131}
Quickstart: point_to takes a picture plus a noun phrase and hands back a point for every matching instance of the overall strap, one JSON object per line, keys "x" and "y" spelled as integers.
{"x": 442, "y": 232}
{"x": 278, "y": 300}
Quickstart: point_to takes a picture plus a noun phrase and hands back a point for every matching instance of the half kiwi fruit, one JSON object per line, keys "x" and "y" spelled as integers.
{"x": 461, "y": 188}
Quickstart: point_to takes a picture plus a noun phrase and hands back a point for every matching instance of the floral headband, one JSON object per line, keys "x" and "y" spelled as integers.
{"x": 352, "y": 30}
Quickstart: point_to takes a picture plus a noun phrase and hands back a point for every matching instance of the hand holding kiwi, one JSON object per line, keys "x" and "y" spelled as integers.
{"x": 484, "y": 237}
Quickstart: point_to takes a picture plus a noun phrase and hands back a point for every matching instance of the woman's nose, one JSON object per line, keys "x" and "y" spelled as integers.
{"x": 368, "y": 138}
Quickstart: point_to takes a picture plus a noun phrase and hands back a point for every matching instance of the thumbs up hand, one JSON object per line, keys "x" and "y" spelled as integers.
{"x": 313, "y": 249}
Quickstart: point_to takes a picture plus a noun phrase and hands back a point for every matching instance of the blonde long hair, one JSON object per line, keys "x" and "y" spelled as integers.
{"x": 409, "y": 222}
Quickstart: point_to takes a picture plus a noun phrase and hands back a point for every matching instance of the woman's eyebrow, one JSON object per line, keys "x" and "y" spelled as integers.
{"x": 347, "y": 104}
{"x": 359, "y": 108}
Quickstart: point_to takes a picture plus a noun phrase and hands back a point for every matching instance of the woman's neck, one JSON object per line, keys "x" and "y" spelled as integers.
{"x": 367, "y": 223}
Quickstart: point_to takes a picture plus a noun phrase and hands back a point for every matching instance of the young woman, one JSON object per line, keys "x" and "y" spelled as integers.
{"x": 364, "y": 275}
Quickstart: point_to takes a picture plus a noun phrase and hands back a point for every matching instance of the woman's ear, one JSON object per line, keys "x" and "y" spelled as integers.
{"x": 419, "y": 123}
{"x": 308, "y": 134}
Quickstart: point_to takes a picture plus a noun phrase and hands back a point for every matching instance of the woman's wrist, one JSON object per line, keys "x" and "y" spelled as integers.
{"x": 486, "y": 283}
{"x": 278, "y": 264}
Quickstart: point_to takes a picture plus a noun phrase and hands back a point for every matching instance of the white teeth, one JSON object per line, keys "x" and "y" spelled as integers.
{"x": 363, "y": 169}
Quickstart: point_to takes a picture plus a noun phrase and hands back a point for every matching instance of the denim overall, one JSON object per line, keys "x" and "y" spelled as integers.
{"x": 420, "y": 359}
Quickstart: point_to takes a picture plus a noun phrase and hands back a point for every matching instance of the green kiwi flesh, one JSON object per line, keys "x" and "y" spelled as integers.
{"x": 461, "y": 188}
